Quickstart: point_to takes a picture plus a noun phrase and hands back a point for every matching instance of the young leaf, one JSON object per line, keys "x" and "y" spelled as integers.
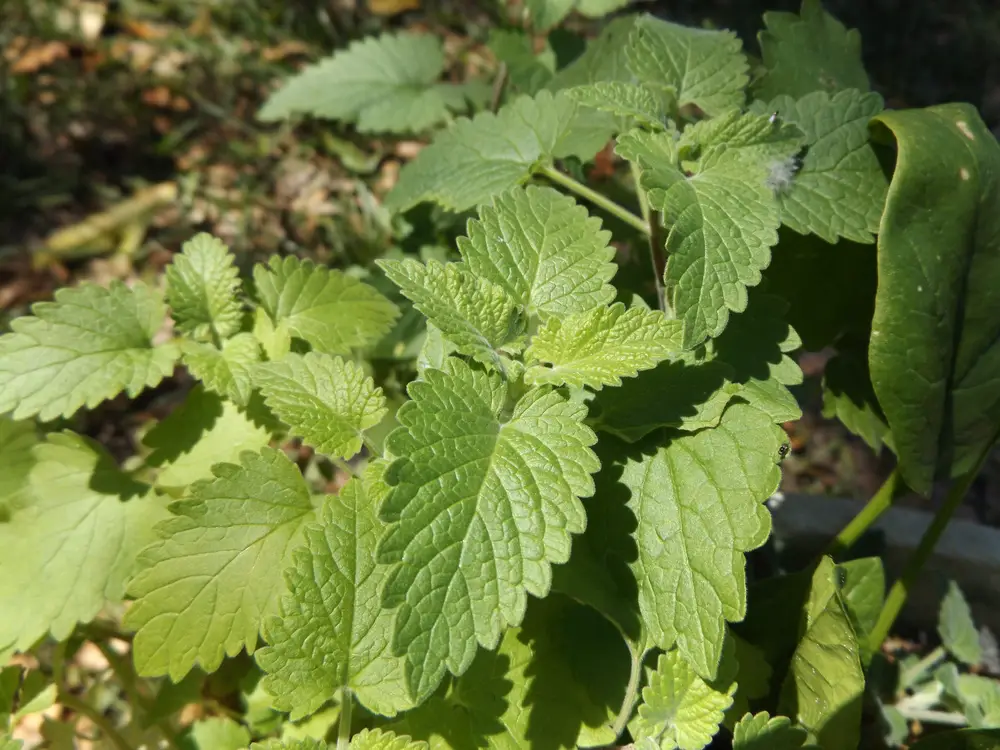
{"x": 484, "y": 503}
{"x": 761, "y": 732}
{"x": 958, "y": 631}
{"x": 839, "y": 188}
{"x": 936, "y": 311}
{"x": 700, "y": 67}
{"x": 17, "y": 457}
{"x": 379, "y": 739}
{"x": 331, "y": 632}
{"x": 698, "y": 501}
{"x": 332, "y": 311}
{"x": 479, "y": 317}
{"x": 633, "y": 101}
{"x": 476, "y": 159}
{"x": 226, "y": 371}
{"x": 600, "y": 347}
{"x": 219, "y": 733}
{"x": 202, "y": 284}
{"x": 384, "y": 84}
{"x": 86, "y": 347}
{"x": 325, "y": 400}
{"x": 302, "y": 743}
{"x": 808, "y": 52}
{"x": 543, "y": 249}
{"x": 71, "y": 546}
{"x": 679, "y": 710}
{"x": 204, "y": 590}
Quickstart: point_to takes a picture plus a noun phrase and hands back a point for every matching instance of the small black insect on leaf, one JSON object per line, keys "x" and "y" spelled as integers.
{"x": 783, "y": 451}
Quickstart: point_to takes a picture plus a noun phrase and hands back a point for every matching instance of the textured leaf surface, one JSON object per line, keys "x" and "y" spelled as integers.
{"x": 839, "y": 188}
{"x": 378, "y": 739}
{"x": 17, "y": 457}
{"x": 305, "y": 743}
{"x": 79, "y": 532}
{"x": 202, "y": 284}
{"x": 679, "y": 710}
{"x": 325, "y": 400}
{"x": 86, "y": 347}
{"x": 331, "y": 632}
{"x": 698, "y": 502}
{"x": 483, "y": 504}
{"x": 956, "y": 628}
{"x": 384, "y": 84}
{"x": 527, "y": 71}
{"x": 936, "y": 310}
{"x": 604, "y": 58}
{"x": 219, "y": 733}
{"x": 601, "y": 347}
{"x": 543, "y": 249}
{"x": 226, "y": 371}
{"x": 479, "y": 317}
{"x": 476, "y": 159}
{"x": 331, "y": 310}
{"x": 761, "y": 732}
{"x": 862, "y": 587}
{"x": 701, "y": 67}
{"x": 206, "y": 587}
{"x": 809, "y": 52}
{"x": 627, "y": 100}
{"x": 849, "y": 396}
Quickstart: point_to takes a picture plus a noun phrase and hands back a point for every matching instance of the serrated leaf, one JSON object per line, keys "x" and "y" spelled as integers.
{"x": 477, "y": 316}
{"x": 219, "y": 733}
{"x": 226, "y": 371}
{"x": 527, "y": 72}
{"x": 301, "y": 743}
{"x": 325, "y": 400}
{"x": 203, "y": 431}
{"x": 700, "y": 67}
{"x": 543, "y": 249}
{"x": 839, "y": 188}
{"x": 332, "y": 311}
{"x": 698, "y": 500}
{"x": 956, "y": 628}
{"x": 825, "y": 682}
{"x": 86, "y": 347}
{"x": 17, "y": 456}
{"x": 548, "y": 13}
{"x": 378, "y": 739}
{"x": 761, "y": 732}
{"x": 808, "y": 52}
{"x": 79, "y": 534}
{"x": 476, "y": 159}
{"x": 483, "y": 505}
{"x": 600, "y": 347}
{"x": 980, "y": 698}
{"x": 202, "y": 284}
{"x": 849, "y": 396}
{"x": 633, "y": 101}
{"x": 331, "y": 632}
{"x": 384, "y": 84}
{"x": 275, "y": 340}
{"x": 204, "y": 590}
{"x": 679, "y": 710}
{"x": 602, "y": 60}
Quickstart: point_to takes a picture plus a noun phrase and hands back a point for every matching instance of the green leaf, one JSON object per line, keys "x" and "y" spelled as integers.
{"x": 79, "y": 534}
{"x": 679, "y": 710}
{"x": 700, "y": 67}
{"x": 384, "y": 84}
{"x": 302, "y": 743}
{"x": 808, "y": 52}
{"x": 275, "y": 340}
{"x": 219, "y": 733}
{"x": 824, "y": 685}
{"x": 325, "y": 400}
{"x": 980, "y": 698}
{"x": 935, "y": 309}
{"x": 753, "y": 679}
{"x": 761, "y": 732}
{"x": 332, "y": 311}
{"x": 600, "y": 347}
{"x": 604, "y": 59}
{"x": 543, "y": 249}
{"x": 202, "y": 288}
{"x": 226, "y": 371}
{"x": 698, "y": 500}
{"x": 629, "y": 100}
{"x": 839, "y": 188}
{"x": 862, "y": 587}
{"x": 548, "y": 13}
{"x": 206, "y": 587}
{"x": 962, "y": 739}
{"x": 331, "y": 632}
{"x": 527, "y": 72}
{"x": 849, "y": 396}
{"x": 486, "y": 498}
{"x": 17, "y": 456}
{"x": 378, "y": 739}
{"x": 9, "y": 743}
{"x": 479, "y": 317}
{"x": 956, "y": 628}
{"x": 204, "y": 430}
{"x": 475, "y": 159}
{"x": 86, "y": 347}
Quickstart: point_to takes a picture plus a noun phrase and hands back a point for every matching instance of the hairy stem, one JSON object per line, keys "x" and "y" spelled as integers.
{"x": 657, "y": 257}
{"x": 344, "y": 724}
{"x": 897, "y": 594}
{"x": 596, "y": 198}
{"x": 631, "y": 691}
{"x": 83, "y": 708}
{"x": 876, "y": 506}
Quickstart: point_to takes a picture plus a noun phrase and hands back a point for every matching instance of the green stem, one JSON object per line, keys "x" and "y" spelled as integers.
{"x": 943, "y": 718}
{"x": 631, "y": 691}
{"x": 897, "y": 594}
{"x": 914, "y": 673}
{"x": 344, "y": 724}
{"x": 100, "y": 721}
{"x": 656, "y": 258}
{"x": 596, "y": 198}
{"x": 875, "y": 507}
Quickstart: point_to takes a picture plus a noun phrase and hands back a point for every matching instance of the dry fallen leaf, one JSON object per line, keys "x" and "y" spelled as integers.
{"x": 39, "y": 56}
{"x": 391, "y": 7}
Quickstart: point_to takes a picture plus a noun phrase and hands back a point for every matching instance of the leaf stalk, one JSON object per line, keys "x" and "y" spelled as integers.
{"x": 657, "y": 257}
{"x": 631, "y": 690}
{"x": 876, "y": 506}
{"x": 564, "y": 180}
{"x": 344, "y": 724}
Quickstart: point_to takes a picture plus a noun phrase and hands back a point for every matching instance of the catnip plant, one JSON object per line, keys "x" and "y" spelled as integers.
{"x": 542, "y": 538}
